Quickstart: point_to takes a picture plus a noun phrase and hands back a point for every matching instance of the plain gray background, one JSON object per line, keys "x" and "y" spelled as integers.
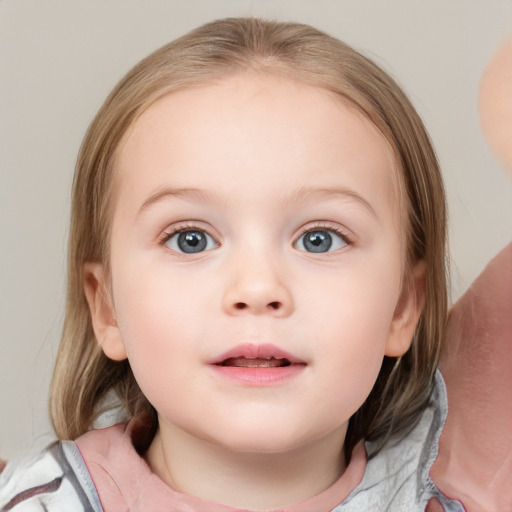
{"x": 58, "y": 61}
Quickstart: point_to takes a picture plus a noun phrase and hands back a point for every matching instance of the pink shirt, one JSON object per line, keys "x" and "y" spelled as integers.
{"x": 125, "y": 482}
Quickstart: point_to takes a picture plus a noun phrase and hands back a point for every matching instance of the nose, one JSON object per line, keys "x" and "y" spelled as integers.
{"x": 255, "y": 287}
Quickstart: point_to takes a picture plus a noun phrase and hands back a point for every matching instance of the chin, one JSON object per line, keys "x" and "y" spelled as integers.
{"x": 261, "y": 439}
{"x": 268, "y": 445}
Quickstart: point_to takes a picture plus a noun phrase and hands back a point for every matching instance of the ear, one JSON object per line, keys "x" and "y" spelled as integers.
{"x": 407, "y": 312}
{"x": 103, "y": 317}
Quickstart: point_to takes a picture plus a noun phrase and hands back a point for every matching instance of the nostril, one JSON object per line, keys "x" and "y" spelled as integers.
{"x": 241, "y": 306}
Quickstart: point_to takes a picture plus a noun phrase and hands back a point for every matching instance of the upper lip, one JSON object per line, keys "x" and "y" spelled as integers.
{"x": 256, "y": 351}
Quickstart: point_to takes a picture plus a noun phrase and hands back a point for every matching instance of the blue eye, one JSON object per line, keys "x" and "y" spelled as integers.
{"x": 319, "y": 241}
{"x": 191, "y": 241}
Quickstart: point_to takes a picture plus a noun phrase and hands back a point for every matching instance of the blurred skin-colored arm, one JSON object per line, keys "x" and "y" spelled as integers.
{"x": 475, "y": 453}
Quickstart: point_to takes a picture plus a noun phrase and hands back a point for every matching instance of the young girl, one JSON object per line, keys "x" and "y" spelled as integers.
{"x": 256, "y": 281}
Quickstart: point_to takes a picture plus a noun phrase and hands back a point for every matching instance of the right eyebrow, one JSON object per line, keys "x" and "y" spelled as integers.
{"x": 166, "y": 192}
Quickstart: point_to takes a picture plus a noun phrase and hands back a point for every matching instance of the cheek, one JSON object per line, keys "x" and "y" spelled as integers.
{"x": 354, "y": 317}
{"x": 358, "y": 302}
{"x": 150, "y": 331}
{"x": 162, "y": 322}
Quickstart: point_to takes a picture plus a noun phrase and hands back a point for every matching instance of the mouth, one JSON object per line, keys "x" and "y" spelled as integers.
{"x": 256, "y": 362}
{"x": 257, "y": 365}
{"x": 249, "y": 355}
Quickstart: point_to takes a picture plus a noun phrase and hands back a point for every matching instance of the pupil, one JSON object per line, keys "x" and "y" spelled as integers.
{"x": 318, "y": 241}
{"x": 191, "y": 241}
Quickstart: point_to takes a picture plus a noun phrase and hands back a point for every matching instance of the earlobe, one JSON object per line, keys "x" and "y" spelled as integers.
{"x": 407, "y": 312}
{"x": 101, "y": 309}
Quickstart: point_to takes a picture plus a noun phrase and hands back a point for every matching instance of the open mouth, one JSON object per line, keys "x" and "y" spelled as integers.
{"x": 255, "y": 362}
{"x": 258, "y": 365}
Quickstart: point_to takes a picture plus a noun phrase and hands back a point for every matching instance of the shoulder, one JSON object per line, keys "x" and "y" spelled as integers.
{"x": 53, "y": 480}
{"x": 398, "y": 477}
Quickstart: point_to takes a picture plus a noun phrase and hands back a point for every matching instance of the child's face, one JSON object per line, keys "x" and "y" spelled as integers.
{"x": 256, "y": 217}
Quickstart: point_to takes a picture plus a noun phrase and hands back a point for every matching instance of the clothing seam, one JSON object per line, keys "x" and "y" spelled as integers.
{"x": 75, "y": 460}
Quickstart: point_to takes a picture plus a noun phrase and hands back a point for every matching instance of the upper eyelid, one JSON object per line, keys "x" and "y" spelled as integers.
{"x": 318, "y": 224}
{"x": 327, "y": 226}
{"x": 188, "y": 225}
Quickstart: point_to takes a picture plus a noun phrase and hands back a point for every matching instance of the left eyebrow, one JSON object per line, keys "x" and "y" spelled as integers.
{"x": 304, "y": 194}
{"x": 181, "y": 193}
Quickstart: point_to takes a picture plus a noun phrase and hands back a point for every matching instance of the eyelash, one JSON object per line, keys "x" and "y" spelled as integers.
{"x": 180, "y": 228}
{"x": 331, "y": 228}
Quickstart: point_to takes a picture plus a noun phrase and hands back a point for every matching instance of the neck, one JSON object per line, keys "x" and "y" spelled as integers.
{"x": 219, "y": 475}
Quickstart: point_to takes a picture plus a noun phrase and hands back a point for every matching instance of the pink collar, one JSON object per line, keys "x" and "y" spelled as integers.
{"x": 126, "y": 483}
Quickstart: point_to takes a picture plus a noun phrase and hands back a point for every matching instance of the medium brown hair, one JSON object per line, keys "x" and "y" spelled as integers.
{"x": 84, "y": 375}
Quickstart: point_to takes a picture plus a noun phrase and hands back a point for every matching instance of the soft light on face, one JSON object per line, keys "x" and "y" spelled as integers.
{"x": 256, "y": 220}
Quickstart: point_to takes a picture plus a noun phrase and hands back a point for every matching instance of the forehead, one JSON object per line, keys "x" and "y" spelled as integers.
{"x": 254, "y": 128}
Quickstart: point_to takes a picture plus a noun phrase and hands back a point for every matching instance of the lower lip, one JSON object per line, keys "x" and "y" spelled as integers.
{"x": 259, "y": 376}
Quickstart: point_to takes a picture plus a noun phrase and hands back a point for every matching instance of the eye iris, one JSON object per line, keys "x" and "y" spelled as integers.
{"x": 318, "y": 241}
{"x": 192, "y": 241}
